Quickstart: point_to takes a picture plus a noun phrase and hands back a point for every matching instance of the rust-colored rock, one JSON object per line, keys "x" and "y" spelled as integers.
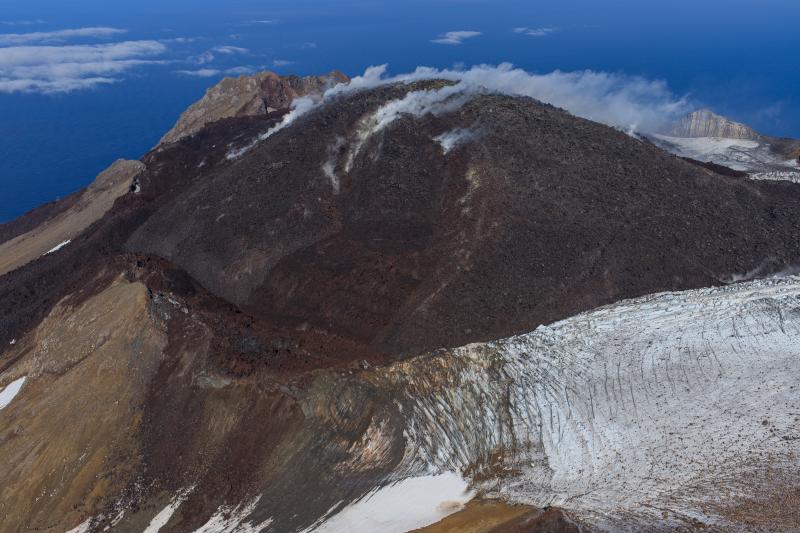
{"x": 244, "y": 96}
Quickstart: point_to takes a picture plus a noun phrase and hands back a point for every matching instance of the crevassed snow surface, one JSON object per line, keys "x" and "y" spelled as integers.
{"x": 778, "y": 175}
{"x": 736, "y": 152}
{"x": 672, "y": 402}
{"x": 750, "y": 156}
{"x": 401, "y": 506}
{"x": 57, "y": 247}
{"x": 10, "y": 391}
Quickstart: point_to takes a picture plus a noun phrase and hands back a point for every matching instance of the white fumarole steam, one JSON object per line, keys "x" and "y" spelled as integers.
{"x": 631, "y": 103}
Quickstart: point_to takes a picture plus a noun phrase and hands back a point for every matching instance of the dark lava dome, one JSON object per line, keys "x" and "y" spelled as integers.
{"x": 538, "y": 215}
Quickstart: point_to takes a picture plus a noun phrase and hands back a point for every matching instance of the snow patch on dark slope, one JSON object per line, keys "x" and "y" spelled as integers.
{"x": 753, "y": 156}
{"x": 707, "y": 137}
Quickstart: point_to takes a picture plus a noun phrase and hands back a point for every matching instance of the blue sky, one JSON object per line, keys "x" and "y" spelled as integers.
{"x": 739, "y": 57}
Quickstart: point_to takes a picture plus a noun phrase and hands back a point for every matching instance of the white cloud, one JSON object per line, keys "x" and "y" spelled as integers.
{"x": 455, "y": 37}
{"x": 282, "y": 63}
{"x": 202, "y": 59}
{"x": 212, "y": 72}
{"x": 179, "y": 40}
{"x": 51, "y": 69}
{"x": 22, "y": 22}
{"x": 308, "y": 46}
{"x": 230, "y": 50}
{"x": 57, "y": 36}
{"x": 35, "y": 55}
{"x": 535, "y": 32}
{"x": 238, "y": 71}
{"x": 263, "y": 21}
{"x": 210, "y": 55}
{"x": 201, "y": 73}
{"x": 52, "y": 86}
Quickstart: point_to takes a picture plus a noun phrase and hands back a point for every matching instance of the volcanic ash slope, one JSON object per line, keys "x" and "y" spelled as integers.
{"x": 288, "y": 320}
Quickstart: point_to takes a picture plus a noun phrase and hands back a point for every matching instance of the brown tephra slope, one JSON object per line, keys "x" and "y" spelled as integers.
{"x": 70, "y": 217}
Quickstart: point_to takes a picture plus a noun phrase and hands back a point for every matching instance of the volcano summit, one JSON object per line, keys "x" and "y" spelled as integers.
{"x": 384, "y": 304}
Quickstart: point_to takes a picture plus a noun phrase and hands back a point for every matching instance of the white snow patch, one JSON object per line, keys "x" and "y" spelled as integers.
{"x": 778, "y": 175}
{"x": 117, "y": 519}
{"x": 401, "y": 506}
{"x": 58, "y": 247}
{"x": 708, "y": 147}
{"x": 754, "y": 157}
{"x": 161, "y": 519}
{"x": 229, "y": 519}
{"x": 10, "y": 391}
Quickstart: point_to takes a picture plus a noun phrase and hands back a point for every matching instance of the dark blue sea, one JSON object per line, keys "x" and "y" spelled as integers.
{"x": 739, "y": 57}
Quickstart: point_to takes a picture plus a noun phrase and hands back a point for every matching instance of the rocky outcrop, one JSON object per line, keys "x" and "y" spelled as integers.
{"x": 258, "y": 94}
{"x": 706, "y": 123}
{"x": 80, "y": 211}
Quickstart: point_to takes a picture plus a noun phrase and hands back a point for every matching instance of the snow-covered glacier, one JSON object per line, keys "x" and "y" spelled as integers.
{"x": 663, "y": 409}
{"x": 756, "y": 157}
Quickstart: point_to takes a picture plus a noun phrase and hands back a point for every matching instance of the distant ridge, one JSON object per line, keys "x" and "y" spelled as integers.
{"x": 706, "y": 123}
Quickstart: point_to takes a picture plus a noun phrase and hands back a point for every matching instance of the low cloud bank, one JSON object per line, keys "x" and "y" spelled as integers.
{"x": 54, "y": 69}
{"x": 57, "y": 36}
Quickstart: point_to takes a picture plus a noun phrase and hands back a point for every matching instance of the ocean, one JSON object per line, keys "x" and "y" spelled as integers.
{"x": 738, "y": 57}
